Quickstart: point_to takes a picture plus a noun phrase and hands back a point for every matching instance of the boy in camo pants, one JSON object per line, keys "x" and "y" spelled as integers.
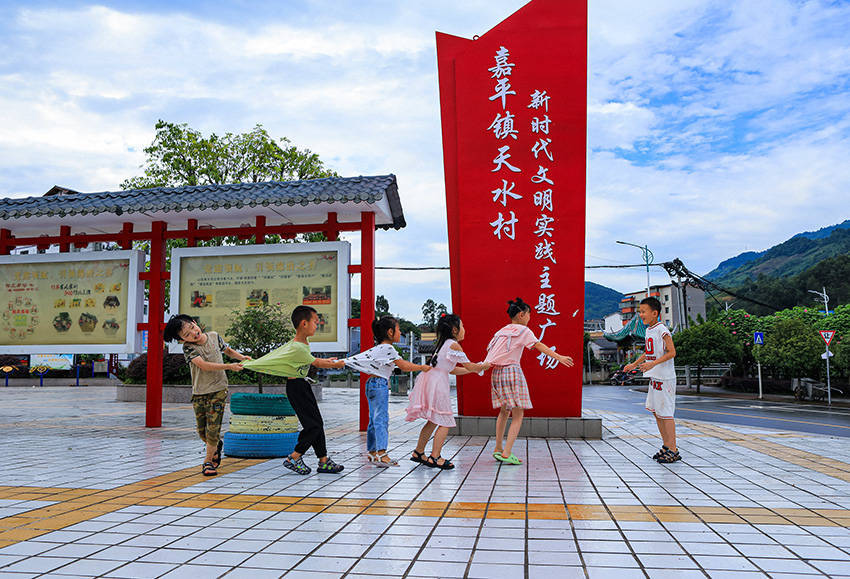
{"x": 203, "y": 352}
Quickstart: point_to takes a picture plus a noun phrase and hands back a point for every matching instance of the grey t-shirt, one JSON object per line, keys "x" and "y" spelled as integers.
{"x": 206, "y": 381}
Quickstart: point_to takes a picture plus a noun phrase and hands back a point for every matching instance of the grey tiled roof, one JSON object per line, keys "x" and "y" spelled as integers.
{"x": 201, "y": 197}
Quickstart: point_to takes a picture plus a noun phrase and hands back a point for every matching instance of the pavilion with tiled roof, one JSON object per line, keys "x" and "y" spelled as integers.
{"x": 330, "y": 205}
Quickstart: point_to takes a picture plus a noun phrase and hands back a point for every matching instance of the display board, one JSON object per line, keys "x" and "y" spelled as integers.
{"x": 88, "y": 302}
{"x": 52, "y": 361}
{"x": 211, "y": 283}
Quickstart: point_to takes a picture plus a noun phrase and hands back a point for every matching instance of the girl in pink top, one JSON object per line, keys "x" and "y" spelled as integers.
{"x": 509, "y": 390}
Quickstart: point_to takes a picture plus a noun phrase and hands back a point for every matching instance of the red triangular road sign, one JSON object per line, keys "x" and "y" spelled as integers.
{"x": 827, "y": 335}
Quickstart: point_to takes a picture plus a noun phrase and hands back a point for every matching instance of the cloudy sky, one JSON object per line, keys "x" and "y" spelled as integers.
{"x": 713, "y": 127}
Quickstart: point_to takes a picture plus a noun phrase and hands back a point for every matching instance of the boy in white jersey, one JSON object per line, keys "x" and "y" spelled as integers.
{"x": 656, "y": 363}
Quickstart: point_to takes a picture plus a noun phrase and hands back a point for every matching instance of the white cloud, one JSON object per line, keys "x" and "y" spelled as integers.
{"x": 715, "y": 127}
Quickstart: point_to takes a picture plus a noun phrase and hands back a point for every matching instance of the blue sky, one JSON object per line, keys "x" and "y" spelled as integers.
{"x": 713, "y": 127}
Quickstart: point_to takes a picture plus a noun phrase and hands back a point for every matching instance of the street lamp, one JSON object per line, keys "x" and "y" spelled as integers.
{"x": 647, "y": 258}
{"x": 825, "y": 299}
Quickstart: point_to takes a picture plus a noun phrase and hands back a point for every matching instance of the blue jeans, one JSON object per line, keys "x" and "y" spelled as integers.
{"x": 377, "y": 434}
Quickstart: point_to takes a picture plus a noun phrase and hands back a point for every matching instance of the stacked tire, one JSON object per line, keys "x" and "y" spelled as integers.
{"x": 261, "y": 426}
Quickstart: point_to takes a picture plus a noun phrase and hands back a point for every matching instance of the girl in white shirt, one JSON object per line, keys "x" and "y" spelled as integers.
{"x": 380, "y": 362}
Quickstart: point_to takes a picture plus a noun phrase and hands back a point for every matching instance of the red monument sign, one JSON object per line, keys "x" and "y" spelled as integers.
{"x": 513, "y": 105}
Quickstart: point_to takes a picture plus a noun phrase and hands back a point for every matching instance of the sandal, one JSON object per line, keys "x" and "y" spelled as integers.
{"x": 216, "y": 458}
{"x": 669, "y": 457}
{"x": 384, "y": 460}
{"x": 512, "y": 459}
{"x": 658, "y": 454}
{"x": 208, "y": 469}
{"x": 418, "y": 457}
{"x": 370, "y": 456}
{"x": 497, "y": 454}
{"x": 433, "y": 463}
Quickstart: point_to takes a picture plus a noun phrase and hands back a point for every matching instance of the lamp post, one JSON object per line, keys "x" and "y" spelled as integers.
{"x": 647, "y": 258}
{"x": 825, "y": 299}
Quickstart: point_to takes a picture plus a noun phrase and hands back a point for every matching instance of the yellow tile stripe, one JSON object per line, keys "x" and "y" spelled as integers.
{"x": 809, "y": 460}
{"x": 77, "y": 505}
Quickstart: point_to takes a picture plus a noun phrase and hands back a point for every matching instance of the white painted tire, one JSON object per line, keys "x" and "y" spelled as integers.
{"x": 256, "y": 424}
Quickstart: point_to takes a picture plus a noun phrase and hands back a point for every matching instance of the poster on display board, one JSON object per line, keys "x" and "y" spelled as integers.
{"x": 81, "y": 303}
{"x": 211, "y": 283}
{"x": 52, "y": 361}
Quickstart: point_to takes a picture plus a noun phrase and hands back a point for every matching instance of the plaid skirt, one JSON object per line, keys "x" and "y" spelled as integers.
{"x": 509, "y": 387}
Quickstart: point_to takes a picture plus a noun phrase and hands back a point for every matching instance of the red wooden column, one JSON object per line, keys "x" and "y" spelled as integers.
{"x": 5, "y": 242}
{"x": 156, "y": 305}
{"x": 367, "y": 301}
{"x": 125, "y": 237}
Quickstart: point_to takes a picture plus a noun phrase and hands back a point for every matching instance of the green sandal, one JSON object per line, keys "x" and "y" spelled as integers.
{"x": 497, "y": 454}
{"x": 512, "y": 459}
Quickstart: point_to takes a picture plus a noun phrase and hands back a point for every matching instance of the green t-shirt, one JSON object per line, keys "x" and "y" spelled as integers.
{"x": 292, "y": 360}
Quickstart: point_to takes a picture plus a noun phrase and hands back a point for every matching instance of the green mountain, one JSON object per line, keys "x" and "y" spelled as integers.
{"x": 790, "y": 258}
{"x": 832, "y": 273}
{"x": 599, "y": 301}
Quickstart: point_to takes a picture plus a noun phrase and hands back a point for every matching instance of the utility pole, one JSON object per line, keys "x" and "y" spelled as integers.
{"x": 589, "y": 369}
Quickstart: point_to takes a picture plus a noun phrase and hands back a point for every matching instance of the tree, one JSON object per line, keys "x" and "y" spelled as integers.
{"x": 792, "y": 348}
{"x": 257, "y": 331}
{"x": 180, "y": 155}
{"x": 705, "y": 344}
{"x": 382, "y": 306}
{"x": 431, "y": 312}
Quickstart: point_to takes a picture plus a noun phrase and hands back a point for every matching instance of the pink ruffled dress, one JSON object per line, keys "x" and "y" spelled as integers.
{"x": 430, "y": 398}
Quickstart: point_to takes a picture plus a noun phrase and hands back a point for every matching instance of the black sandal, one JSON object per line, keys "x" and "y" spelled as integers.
{"x": 432, "y": 462}
{"x": 417, "y": 457}
{"x": 669, "y": 457}
{"x": 216, "y": 458}
{"x": 209, "y": 469}
{"x": 658, "y": 454}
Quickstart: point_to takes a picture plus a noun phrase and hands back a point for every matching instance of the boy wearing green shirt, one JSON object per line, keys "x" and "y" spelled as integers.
{"x": 293, "y": 360}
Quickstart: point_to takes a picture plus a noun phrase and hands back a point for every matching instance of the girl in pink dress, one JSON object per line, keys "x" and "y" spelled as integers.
{"x": 509, "y": 392}
{"x": 430, "y": 398}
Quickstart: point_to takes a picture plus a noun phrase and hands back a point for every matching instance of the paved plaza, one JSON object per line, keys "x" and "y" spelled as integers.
{"x": 87, "y": 491}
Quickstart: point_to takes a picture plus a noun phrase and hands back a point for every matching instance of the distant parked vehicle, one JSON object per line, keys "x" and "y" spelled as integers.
{"x": 807, "y": 388}
{"x": 623, "y": 378}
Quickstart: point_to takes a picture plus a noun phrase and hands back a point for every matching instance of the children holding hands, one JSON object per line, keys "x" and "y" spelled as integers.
{"x": 379, "y": 362}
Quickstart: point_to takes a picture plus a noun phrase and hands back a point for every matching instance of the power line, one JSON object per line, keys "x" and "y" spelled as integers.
{"x": 673, "y": 268}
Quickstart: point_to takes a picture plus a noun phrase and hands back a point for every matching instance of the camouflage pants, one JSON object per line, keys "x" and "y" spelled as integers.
{"x": 209, "y": 411}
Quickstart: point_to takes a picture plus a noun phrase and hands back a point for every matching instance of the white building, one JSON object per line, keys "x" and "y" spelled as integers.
{"x": 693, "y": 298}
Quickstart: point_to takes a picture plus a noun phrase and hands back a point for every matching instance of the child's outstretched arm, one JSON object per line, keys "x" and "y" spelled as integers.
{"x": 231, "y": 353}
{"x": 470, "y": 367}
{"x": 210, "y": 366}
{"x": 565, "y": 360}
{"x": 669, "y": 354}
{"x": 328, "y": 363}
{"x": 406, "y": 366}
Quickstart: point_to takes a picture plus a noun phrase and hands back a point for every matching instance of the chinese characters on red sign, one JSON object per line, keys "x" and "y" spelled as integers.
{"x": 513, "y": 105}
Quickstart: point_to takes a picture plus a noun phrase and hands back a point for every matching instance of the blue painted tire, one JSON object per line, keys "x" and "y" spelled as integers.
{"x": 259, "y": 445}
{"x": 260, "y": 404}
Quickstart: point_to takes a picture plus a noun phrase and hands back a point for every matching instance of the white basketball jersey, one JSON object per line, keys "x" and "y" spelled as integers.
{"x": 654, "y": 349}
